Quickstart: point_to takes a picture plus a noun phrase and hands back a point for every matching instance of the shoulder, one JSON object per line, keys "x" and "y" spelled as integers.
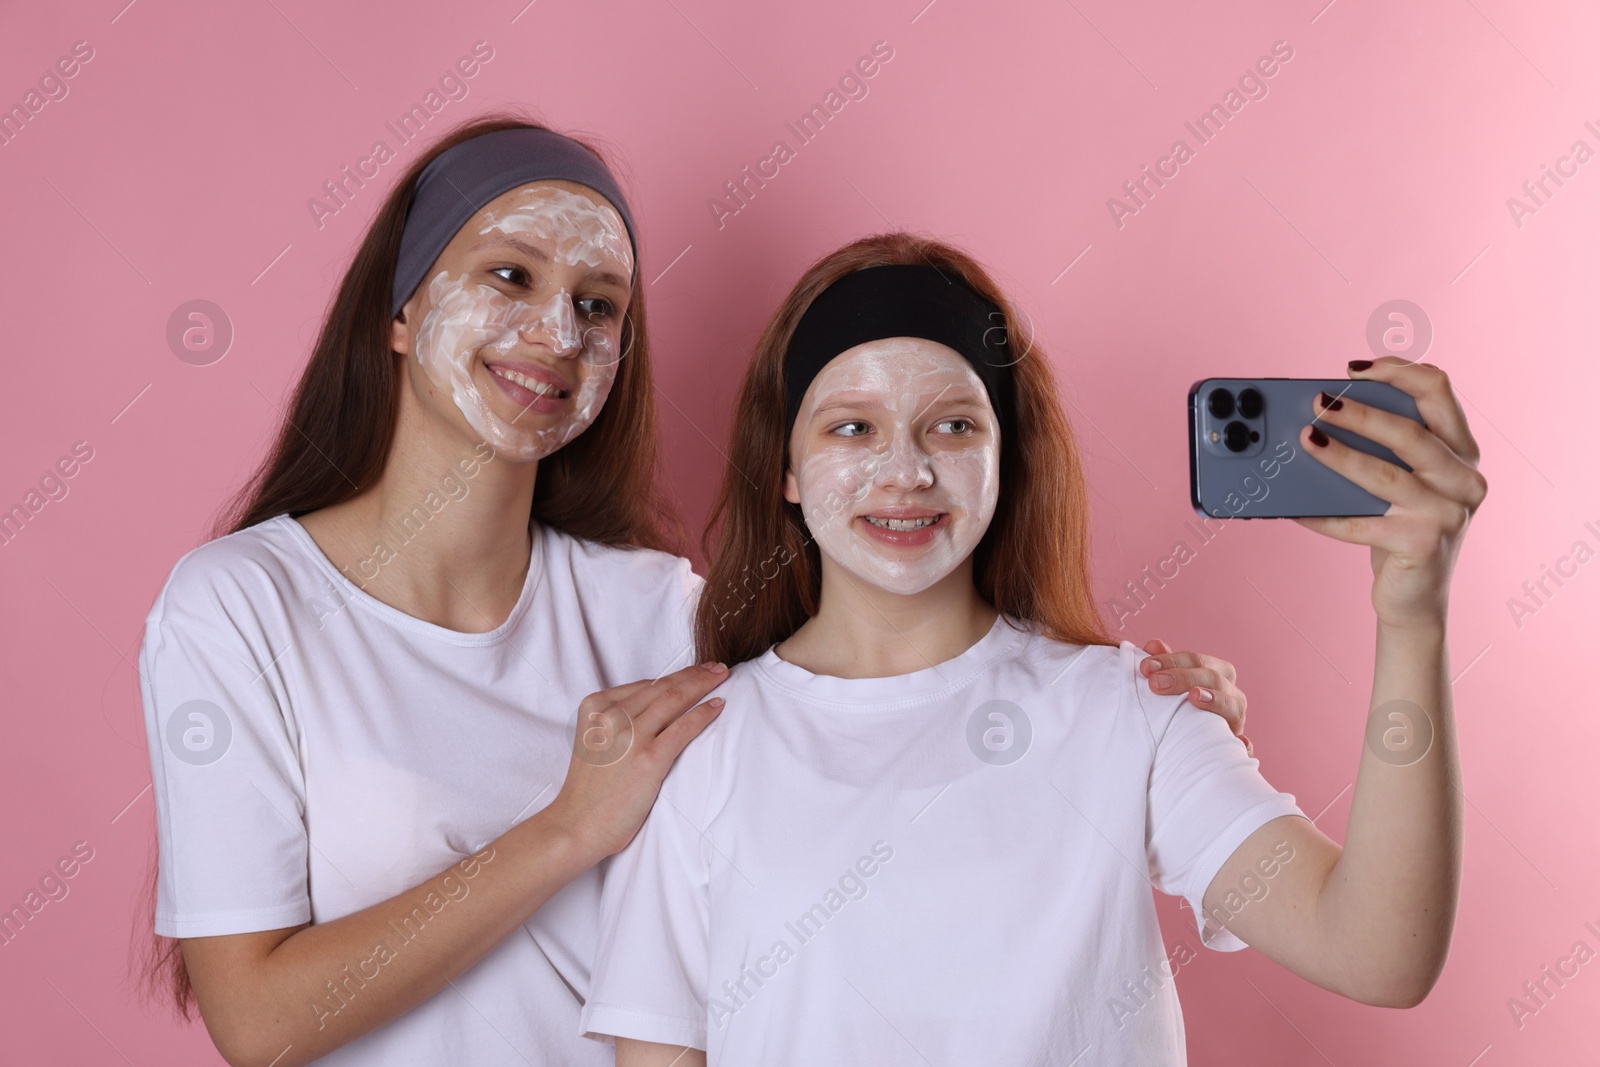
{"x": 1098, "y": 674}
{"x": 1069, "y": 667}
{"x": 223, "y": 579}
{"x": 621, "y": 569}
{"x": 702, "y": 769}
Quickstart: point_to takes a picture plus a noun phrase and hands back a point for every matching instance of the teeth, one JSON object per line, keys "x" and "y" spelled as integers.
{"x": 902, "y": 525}
{"x": 531, "y": 384}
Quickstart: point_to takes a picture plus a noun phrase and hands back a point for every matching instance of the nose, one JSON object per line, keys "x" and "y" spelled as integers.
{"x": 904, "y": 466}
{"x": 555, "y": 323}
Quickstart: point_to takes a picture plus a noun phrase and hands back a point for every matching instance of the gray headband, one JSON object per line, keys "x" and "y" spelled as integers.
{"x": 460, "y": 181}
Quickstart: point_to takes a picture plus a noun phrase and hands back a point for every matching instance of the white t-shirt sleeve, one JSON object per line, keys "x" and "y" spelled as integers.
{"x": 229, "y": 789}
{"x": 1206, "y": 796}
{"x": 653, "y": 965}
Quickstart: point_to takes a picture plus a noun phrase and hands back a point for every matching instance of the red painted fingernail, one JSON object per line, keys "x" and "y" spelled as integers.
{"x": 1331, "y": 403}
{"x": 1319, "y": 438}
{"x": 1360, "y": 364}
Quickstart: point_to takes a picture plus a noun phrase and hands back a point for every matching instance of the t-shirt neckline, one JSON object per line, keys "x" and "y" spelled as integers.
{"x": 353, "y": 593}
{"x": 1003, "y": 637}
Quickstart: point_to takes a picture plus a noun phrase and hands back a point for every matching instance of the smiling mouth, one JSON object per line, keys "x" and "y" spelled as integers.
{"x": 533, "y": 385}
{"x": 903, "y": 525}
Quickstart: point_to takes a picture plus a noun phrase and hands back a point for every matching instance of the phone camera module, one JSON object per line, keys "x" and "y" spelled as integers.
{"x": 1250, "y": 404}
{"x": 1220, "y": 403}
{"x": 1236, "y": 436}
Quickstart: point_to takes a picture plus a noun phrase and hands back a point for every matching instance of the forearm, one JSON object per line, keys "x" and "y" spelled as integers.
{"x": 328, "y": 984}
{"x": 1389, "y": 902}
{"x": 632, "y": 1053}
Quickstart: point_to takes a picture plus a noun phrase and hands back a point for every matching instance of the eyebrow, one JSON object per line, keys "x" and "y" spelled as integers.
{"x": 499, "y": 239}
{"x": 856, "y": 400}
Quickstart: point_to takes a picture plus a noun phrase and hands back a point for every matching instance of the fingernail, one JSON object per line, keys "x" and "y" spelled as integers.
{"x": 1150, "y": 666}
{"x": 1360, "y": 364}
{"x": 1319, "y": 438}
{"x": 716, "y": 702}
{"x": 714, "y": 667}
{"x": 1206, "y": 695}
{"x": 1331, "y": 403}
{"x": 1161, "y": 681}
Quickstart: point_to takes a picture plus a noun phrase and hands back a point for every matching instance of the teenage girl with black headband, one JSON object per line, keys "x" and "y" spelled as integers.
{"x": 378, "y": 843}
{"x": 930, "y": 832}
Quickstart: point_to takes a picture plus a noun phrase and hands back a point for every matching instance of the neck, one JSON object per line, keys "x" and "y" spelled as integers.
{"x": 453, "y": 517}
{"x": 862, "y": 631}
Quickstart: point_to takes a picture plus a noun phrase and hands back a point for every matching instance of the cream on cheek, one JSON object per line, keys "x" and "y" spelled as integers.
{"x": 837, "y": 480}
{"x": 466, "y": 320}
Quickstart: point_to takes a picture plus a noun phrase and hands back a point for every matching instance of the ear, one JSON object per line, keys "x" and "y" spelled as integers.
{"x": 791, "y": 487}
{"x": 400, "y": 332}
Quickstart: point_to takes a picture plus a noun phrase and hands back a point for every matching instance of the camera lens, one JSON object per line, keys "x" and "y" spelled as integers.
{"x": 1236, "y": 435}
{"x": 1250, "y": 403}
{"x": 1220, "y": 403}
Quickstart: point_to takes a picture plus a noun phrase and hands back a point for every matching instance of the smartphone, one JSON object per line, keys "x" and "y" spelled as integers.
{"x": 1245, "y": 457}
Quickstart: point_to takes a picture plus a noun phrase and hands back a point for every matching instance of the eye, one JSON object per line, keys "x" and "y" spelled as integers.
{"x": 596, "y": 309}
{"x": 959, "y": 427}
{"x": 856, "y": 429}
{"x": 521, "y": 275}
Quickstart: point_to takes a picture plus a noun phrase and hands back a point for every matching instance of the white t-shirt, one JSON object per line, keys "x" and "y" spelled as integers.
{"x": 316, "y": 751}
{"x": 948, "y": 866}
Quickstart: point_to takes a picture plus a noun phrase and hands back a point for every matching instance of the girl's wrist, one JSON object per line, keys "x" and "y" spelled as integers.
{"x": 1422, "y": 634}
{"x": 561, "y": 841}
{"x": 1423, "y": 623}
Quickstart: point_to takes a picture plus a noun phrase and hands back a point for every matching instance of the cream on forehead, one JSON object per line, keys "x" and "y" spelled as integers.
{"x": 897, "y": 371}
{"x": 583, "y": 232}
{"x": 464, "y": 319}
{"x": 840, "y": 477}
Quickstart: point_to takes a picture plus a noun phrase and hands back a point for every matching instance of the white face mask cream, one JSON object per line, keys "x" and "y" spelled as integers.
{"x": 468, "y": 324}
{"x": 899, "y": 478}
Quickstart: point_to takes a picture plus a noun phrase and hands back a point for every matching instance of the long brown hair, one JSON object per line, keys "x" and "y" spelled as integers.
{"x": 764, "y": 576}
{"x": 602, "y": 486}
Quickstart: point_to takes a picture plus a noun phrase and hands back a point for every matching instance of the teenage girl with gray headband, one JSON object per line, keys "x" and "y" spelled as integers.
{"x": 434, "y": 671}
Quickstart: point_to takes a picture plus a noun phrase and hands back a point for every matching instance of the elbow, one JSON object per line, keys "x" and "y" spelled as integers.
{"x": 1402, "y": 989}
{"x": 1398, "y": 997}
{"x": 243, "y": 1043}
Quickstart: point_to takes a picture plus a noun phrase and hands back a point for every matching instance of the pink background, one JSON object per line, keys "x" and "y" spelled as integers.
{"x": 1378, "y": 167}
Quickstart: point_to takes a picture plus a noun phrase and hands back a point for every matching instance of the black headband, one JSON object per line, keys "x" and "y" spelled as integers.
{"x": 460, "y": 181}
{"x": 901, "y": 300}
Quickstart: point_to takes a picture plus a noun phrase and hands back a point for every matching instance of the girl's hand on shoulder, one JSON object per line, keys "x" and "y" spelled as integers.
{"x": 1415, "y": 543}
{"x": 627, "y": 739}
{"x": 1210, "y": 683}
